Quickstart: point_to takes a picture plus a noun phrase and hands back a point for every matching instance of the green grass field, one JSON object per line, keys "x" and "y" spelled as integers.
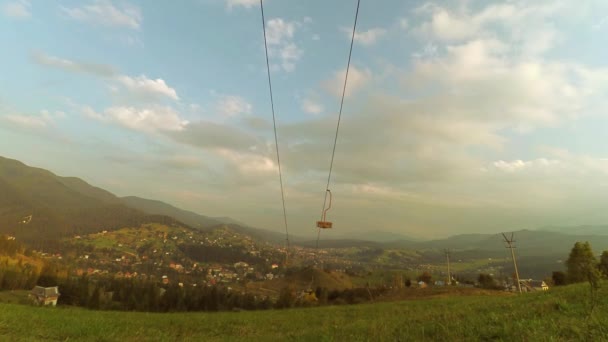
{"x": 562, "y": 314}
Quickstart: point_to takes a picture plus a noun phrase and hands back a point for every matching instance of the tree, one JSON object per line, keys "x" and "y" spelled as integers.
{"x": 559, "y": 278}
{"x": 425, "y": 277}
{"x": 286, "y": 298}
{"x": 581, "y": 263}
{"x": 486, "y": 281}
{"x": 408, "y": 283}
{"x": 604, "y": 264}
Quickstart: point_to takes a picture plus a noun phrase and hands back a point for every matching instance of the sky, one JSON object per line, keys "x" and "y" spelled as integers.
{"x": 461, "y": 116}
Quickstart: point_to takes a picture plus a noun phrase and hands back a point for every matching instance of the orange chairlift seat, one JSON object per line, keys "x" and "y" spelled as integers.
{"x": 324, "y": 224}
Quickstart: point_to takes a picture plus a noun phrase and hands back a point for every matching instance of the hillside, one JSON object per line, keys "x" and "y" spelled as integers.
{"x": 59, "y": 206}
{"x": 304, "y": 279}
{"x": 528, "y": 242}
{"x": 160, "y": 208}
{"x": 200, "y": 221}
{"x": 559, "y": 315}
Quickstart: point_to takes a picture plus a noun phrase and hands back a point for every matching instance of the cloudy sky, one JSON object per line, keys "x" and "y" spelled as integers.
{"x": 460, "y": 116}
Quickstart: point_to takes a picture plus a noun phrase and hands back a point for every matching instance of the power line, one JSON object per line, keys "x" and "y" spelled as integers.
{"x": 276, "y": 140}
{"x": 333, "y": 153}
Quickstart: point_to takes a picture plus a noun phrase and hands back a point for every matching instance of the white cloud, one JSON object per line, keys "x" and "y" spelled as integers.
{"x": 72, "y": 66}
{"x": 281, "y": 45}
{"x": 45, "y": 119}
{"x": 20, "y": 9}
{"x": 357, "y": 79}
{"x": 404, "y": 23}
{"x": 312, "y": 107}
{"x": 248, "y": 163}
{"x": 231, "y": 105}
{"x": 138, "y": 87}
{"x": 366, "y": 38}
{"x": 520, "y": 165}
{"x": 445, "y": 25}
{"x": 149, "y": 120}
{"x": 103, "y": 12}
{"x": 241, "y": 3}
{"x": 148, "y": 88}
{"x": 316, "y": 37}
{"x": 26, "y": 120}
{"x": 279, "y": 31}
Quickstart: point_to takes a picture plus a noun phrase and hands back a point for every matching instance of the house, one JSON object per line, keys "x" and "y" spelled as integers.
{"x": 45, "y": 295}
{"x": 530, "y": 285}
{"x": 422, "y": 284}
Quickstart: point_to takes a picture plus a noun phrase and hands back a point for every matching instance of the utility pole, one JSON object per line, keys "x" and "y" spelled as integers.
{"x": 509, "y": 243}
{"x": 447, "y": 255}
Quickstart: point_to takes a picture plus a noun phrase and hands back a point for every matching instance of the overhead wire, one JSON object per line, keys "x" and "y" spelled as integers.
{"x": 333, "y": 153}
{"x": 276, "y": 139}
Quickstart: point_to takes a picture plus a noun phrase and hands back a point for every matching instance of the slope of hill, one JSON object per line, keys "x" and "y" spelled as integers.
{"x": 304, "y": 279}
{"x": 559, "y": 315}
{"x": 161, "y": 208}
{"x": 59, "y": 206}
{"x": 201, "y": 221}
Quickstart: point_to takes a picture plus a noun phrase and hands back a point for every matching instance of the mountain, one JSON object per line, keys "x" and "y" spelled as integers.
{"x": 201, "y": 221}
{"x": 527, "y": 242}
{"x": 161, "y": 208}
{"x": 59, "y": 206}
{"x": 375, "y": 236}
{"x": 339, "y": 243}
{"x": 578, "y": 230}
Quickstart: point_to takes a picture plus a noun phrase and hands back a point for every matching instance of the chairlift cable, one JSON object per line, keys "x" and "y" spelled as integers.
{"x": 276, "y": 140}
{"x": 333, "y": 153}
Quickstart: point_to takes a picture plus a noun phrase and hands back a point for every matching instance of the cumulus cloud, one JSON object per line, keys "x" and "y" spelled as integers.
{"x": 230, "y": 4}
{"x": 357, "y": 79}
{"x": 26, "y": 120}
{"x": 138, "y": 87}
{"x": 44, "y": 119}
{"x": 366, "y": 37}
{"x": 312, "y": 107}
{"x": 281, "y": 45}
{"x": 20, "y": 9}
{"x": 145, "y": 87}
{"x": 150, "y": 120}
{"x": 103, "y": 12}
{"x": 231, "y": 105}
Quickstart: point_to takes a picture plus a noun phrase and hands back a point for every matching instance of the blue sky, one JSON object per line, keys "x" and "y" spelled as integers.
{"x": 460, "y": 116}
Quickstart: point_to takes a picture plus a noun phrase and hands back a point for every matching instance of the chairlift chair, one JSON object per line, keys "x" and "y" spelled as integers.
{"x": 324, "y": 224}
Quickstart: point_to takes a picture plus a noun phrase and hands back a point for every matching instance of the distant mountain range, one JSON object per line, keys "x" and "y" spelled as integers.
{"x": 578, "y": 230}
{"x": 527, "y": 242}
{"x": 66, "y": 206}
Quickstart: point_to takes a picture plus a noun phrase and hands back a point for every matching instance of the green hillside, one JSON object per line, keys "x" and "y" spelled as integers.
{"x": 59, "y": 206}
{"x": 561, "y": 314}
{"x": 199, "y": 221}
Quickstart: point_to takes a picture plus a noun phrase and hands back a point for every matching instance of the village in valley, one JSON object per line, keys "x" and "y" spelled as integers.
{"x": 185, "y": 257}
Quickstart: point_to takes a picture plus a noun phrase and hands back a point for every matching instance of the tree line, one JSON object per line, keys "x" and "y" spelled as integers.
{"x": 582, "y": 266}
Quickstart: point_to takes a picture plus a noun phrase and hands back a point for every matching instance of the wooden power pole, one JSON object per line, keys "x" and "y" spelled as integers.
{"x": 447, "y": 255}
{"x": 510, "y": 245}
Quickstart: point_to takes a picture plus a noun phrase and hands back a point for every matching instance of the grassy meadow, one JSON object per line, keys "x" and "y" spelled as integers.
{"x": 561, "y": 314}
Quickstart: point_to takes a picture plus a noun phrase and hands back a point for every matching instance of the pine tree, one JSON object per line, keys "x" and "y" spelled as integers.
{"x": 604, "y": 264}
{"x": 581, "y": 263}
